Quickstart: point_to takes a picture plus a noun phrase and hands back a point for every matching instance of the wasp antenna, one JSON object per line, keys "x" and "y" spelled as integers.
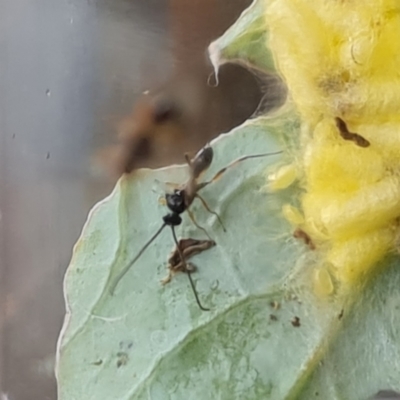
{"x": 232, "y": 164}
{"x": 187, "y": 271}
{"x": 193, "y": 219}
{"x": 205, "y": 205}
{"x": 128, "y": 266}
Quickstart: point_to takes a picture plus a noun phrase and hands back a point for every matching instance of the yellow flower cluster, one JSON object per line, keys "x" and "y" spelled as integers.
{"x": 341, "y": 62}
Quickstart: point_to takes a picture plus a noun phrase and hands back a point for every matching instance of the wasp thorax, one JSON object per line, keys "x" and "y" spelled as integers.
{"x": 176, "y": 201}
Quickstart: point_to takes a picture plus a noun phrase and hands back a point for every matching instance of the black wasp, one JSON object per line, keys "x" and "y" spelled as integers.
{"x": 180, "y": 200}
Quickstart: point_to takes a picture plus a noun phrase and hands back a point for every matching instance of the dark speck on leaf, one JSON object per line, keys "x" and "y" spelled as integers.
{"x": 275, "y": 305}
{"x": 122, "y": 359}
{"x": 296, "y": 322}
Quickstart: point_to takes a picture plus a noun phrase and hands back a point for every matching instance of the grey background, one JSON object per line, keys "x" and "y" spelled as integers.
{"x": 68, "y": 70}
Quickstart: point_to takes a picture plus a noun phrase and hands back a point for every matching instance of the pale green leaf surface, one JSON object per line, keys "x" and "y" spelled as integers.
{"x": 149, "y": 341}
{"x": 164, "y": 345}
{"x": 365, "y": 356}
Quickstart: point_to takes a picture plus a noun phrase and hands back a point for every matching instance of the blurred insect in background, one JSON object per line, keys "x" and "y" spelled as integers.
{"x": 157, "y": 118}
{"x": 158, "y": 130}
{"x": 179, "y": 200}
{"x": 183, "y": 114}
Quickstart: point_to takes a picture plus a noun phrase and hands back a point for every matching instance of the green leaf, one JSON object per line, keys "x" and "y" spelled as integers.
{"x": 153, "y": 339}
{"x": 364, "y": 356}
{"x": 245, "y": 42}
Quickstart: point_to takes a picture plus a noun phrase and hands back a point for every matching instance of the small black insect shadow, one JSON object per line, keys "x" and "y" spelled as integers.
{"x": 180, "y": 201}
